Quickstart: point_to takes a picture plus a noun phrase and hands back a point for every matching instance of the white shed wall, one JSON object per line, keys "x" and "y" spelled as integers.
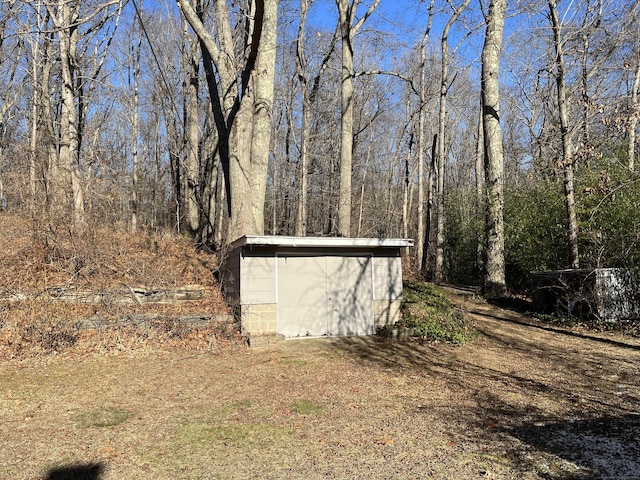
{"x": 387, "y": 278}
{"x": 258, "y": 275}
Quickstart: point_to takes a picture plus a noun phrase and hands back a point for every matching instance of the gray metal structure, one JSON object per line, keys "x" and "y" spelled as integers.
{"x": 299, "y": 287}
{"x": 604, "y": 294}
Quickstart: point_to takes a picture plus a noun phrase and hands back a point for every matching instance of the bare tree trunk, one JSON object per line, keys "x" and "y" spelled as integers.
{"x": 175, "y": 167}
{"x": 135, "y": 132}
{"x": 59, "y": 175}
{"x": 494, "y": 278}
{"x": 35, "y": 106}
{"x": 567, "y": 140}
{"x": 422, "y": 101}
{"x": 585, "y": 86}
{"x": 275, "y": 175}
{"x": 420, "y": 160}
{"x": 441, "y": 161}
{"x": 8, "y": 95}
{"x": 209, "y": 180}
{"x": 69, "y": 155}
{"x": 438, "y": 274}
{"x": 346, "y": 122}
{"x": 156, "y": 189}
{"x": 54, "y": 181}
{"x": 634, "y": 114}
{"x": 348, "y": 31}
{"x": 301, "y": 212}
{"x": 362, "y": 189}
{"x": 480, "y": 196}
{"x": 301, "y": 66}
{"x": 361, "y": 212}
{"x": 263, "y": 109}
{"x": 406, "y": 179}
{"x": 390, "y": 187}
{"x": 218, "y": 235}
{"x": 192, "y": 170}
{"x": 424, "y": 267}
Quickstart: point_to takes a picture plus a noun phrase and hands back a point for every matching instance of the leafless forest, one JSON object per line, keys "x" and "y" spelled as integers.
{"x": 502, "y": 137}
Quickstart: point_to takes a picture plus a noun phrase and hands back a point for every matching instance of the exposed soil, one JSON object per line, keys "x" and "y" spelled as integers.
{"x": 523, "y": 401}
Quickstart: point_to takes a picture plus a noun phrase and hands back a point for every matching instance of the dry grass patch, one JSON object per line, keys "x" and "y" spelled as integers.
{"x": 519, "y": 402}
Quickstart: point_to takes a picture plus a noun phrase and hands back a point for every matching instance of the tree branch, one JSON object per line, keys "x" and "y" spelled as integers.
{"x": 390, "y": 73}
{"x": 198, "y": 27}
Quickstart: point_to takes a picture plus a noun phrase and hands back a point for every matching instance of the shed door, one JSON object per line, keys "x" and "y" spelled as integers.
{"x": 325, "y": 296}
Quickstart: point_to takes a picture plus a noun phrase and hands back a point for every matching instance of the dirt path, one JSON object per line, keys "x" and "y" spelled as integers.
{"x": 573, "y": 394}
{"x": 523, "y": 401}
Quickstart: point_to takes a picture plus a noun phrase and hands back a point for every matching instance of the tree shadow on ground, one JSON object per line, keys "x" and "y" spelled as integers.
{"x": 607, "y": 446}
{"x": 515, "y": 304}
{"x": 550, "y": 391}
{"x": 88, "y": 471}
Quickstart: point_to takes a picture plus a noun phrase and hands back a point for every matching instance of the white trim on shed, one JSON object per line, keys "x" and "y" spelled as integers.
{"x": 319, "y": 242}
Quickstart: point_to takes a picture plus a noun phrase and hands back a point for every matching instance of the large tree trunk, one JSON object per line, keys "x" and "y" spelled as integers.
{"x": 567, "y": 162}
{"x": 422, "y": 102}
{"x": 494, "y": 277}
{"x": 242, "y": 116}
{"x": 209, "y": 181}
{"x": 348, "y": 31}
{"x": 262, "y": 113}
{"x": 66, "y": 172}
{"x": 55, "y": 190}
{"x": 192, "y": 195}
{"x": 346, "y": 121}
{"x": 241, "y": 220}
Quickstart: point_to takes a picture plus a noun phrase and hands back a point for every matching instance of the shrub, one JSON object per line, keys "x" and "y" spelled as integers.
{"x": 535, "y": 231}
{"x": 608, "y": 214}
{"x": 428, "y": 314}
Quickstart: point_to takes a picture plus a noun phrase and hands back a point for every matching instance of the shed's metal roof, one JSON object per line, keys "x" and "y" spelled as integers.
{"x": 320, "y": 242}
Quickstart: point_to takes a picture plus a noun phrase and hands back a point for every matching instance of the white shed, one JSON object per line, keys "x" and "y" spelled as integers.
{"x": 314, "y": 286}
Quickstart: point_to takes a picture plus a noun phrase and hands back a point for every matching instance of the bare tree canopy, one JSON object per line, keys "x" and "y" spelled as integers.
{"x": 502, "y": 137}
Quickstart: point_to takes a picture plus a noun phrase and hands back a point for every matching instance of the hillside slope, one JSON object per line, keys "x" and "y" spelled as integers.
{"x": 52, "y": 280}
